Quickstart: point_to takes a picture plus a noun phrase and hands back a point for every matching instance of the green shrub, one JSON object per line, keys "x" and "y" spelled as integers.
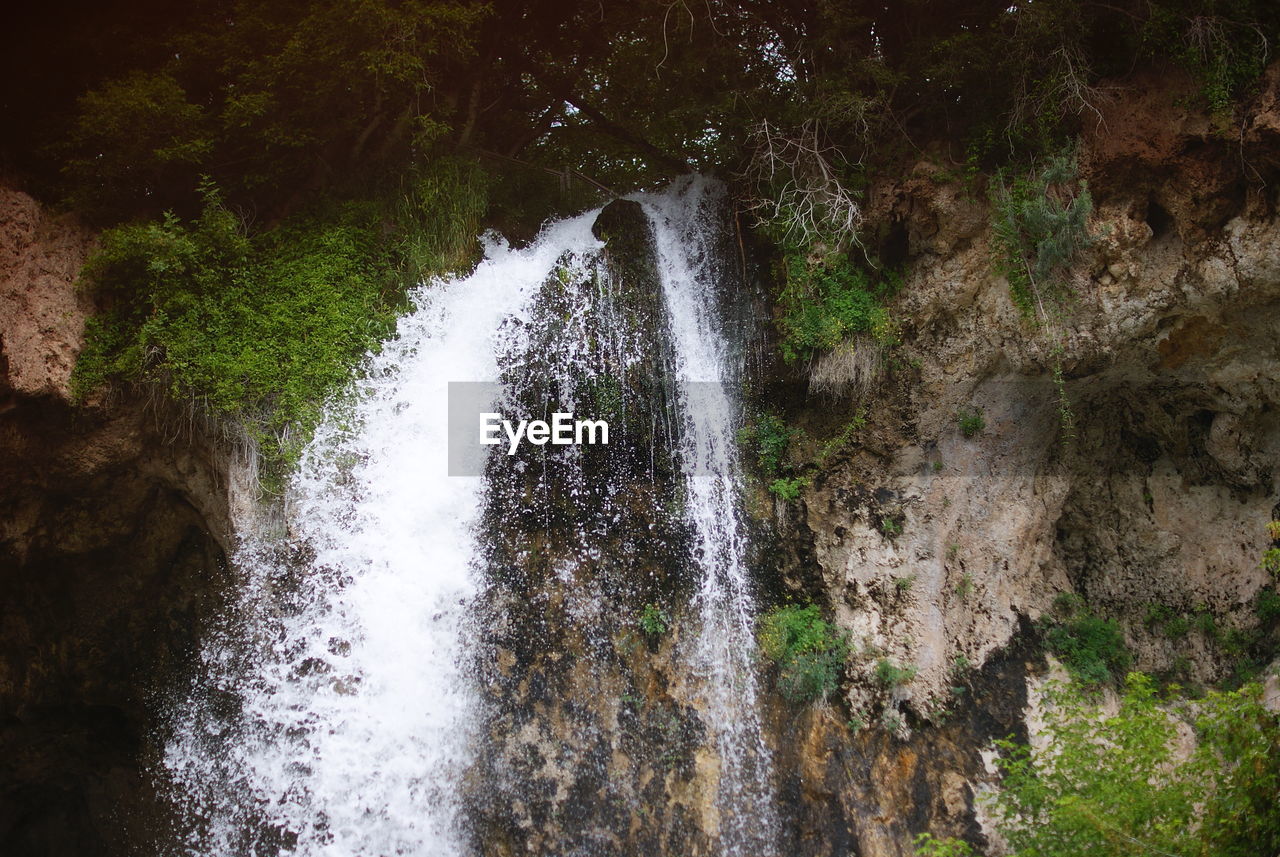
{"x": 823, "y": 300}
{"x": 1090, "y": 647}
{"x": 788, "y": 490}
{"x": 258, "y": 330}
{"x": 1115, "y": 785}
{"x": 891, "y": 676}
{"x": 971, "y": 421}
{"x": 654, "y": 621}
{"x": 1271, "y": 561}
{"x": 927, "y": 845}
{"x": 1268, "y": 604}
{"x": 1226, "y": 51}
{"x": 769, "y": 437}
{"x": 132, "y": 140}
{"x": 890, "y": 527}
{"x": 808, "y": 651}
{"x": 1040, "y": 224}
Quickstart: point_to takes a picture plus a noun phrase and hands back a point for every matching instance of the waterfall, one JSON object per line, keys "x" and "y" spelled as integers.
{"x": 339, "y": 709}
{"x": 711, "y": 372}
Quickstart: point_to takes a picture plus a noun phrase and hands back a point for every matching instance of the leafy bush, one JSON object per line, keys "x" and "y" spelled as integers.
{"x": 1226, "y": 52}
{"x": 1092, "y": 648}
{"x": 258, "y": 330}
{"x": 769, "y": 437}
{"x": 1268, "y": 604}
{"x": 133, "y": 139}
{"x": 788, "y": 489}
{"x": 927, "y": 845}
{"x": 1271, "y": 561}
{"x": 1116, "y": 785}
{"x": 1040, "y": 224}
{"x": 808, "y": 651}
{"x": 891, "y": 676}
{"x": 971, "y": 421}
{"x": 825, "y": 299}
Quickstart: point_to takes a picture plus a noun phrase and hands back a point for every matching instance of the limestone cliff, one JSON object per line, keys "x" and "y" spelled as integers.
{"x": 1169, "y": 356}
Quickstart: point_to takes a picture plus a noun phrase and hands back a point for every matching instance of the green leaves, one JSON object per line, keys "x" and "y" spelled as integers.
{"x": 134, "y": 139}
{"x": 1091, "y": 648}
{"x": 654, "y": 621}
{"x": 891, "y": 676}
{"x": 1121, "y": 784}
{"x": 809, "y": 653}
{"x": 824, "y": 300}
{"x": 263, "y": 329}
{"x": 1040, "y": 223}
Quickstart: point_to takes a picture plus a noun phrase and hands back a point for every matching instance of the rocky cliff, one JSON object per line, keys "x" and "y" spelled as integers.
{"x": 113, "y": 529}
{"x": 1145, "y": 489}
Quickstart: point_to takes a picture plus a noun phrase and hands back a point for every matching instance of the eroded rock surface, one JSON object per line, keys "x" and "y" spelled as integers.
{"x": 1149, "y": 483}
{"x": 112, "y": 533}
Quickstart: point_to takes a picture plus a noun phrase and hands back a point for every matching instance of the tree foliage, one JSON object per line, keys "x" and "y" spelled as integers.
{"x": 280, "y": 100}
{"x": 1040, "y": 222}
{"x": 1119, "y": 784}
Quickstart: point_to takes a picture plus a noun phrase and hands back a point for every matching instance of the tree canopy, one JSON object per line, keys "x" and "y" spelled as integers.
{"x": 124, "y": 105}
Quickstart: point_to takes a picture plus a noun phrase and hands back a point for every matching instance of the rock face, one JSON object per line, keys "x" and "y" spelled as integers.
{"x": 41, "y": 314}
{"x": 587, "y": 718}
{"x": 1147, "y": 485}
{"x": 112, "y": 527}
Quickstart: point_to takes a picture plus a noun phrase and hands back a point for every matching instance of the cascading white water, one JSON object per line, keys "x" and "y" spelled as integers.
{"x": 332, "y": 715}
{"x": 353, "y": 711}
{"x": 724, "y": 648}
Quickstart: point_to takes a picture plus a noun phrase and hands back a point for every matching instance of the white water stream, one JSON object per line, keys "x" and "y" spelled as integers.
{"x": 333, "y": 712}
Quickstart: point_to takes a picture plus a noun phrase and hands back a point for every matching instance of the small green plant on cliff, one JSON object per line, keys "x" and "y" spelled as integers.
{"x": 825, "y": 298}
{"x": 654, "y": 621}
{"x": 1271, "y": 561}
{"x": 788, "y": 490}
{"x": 809, "y": 653}
{"x": 971, "y": 421}
{"x": 1040, "y": 222}
{"x": 890, "y": 527}
{"x": 768, "y": 437}
{"x": 1119, "y": 785}
{"x": 1066, "y": 414}
{"x": 835, "y": 444}
{"x": 1273, "y": 530}
{"x": 1268, "y": 606}
{"x": 892, "y": 676}
{"x": 1091, "y": 648}
{"x": 928, "y": 845}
